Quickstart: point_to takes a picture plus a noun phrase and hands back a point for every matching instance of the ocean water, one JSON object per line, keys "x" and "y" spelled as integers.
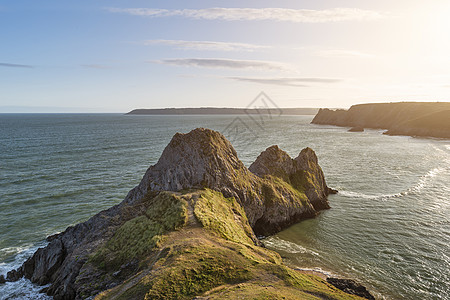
{"x": 389, "y": 227}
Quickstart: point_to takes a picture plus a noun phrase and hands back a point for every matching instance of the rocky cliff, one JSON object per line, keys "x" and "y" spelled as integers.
{"x": 429, "y": 119}
{"x": 188, "y": 230}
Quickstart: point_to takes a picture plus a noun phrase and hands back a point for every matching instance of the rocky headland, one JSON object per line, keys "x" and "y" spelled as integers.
{"x": 189, "y": 230}
{"x": 425, "y": 119}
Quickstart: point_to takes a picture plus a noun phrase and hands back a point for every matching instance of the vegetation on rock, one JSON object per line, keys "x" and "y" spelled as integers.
{"x": 188, "y": 230}
{"x": 136, "y": 237}
{"x": 209, "y": 260}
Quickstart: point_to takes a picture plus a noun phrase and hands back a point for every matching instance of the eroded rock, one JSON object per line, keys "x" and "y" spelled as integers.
{"x": 276, "y": 192}
{"x": 350, "y": 287}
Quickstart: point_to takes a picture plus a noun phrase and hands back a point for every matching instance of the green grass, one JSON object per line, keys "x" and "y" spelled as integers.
{"x": 138, "y": 236}
{"x": 217, "y": 260}
{"x": 223, "y": 216}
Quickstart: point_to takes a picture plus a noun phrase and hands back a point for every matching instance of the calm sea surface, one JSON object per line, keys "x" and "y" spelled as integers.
{"x": 389, "y": 227}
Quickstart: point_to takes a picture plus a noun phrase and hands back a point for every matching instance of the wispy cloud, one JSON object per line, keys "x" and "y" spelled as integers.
{"x": 340, "y": 53}
{"x": 207, "y": 45}
{"x": 260, "y": 14}
{"x": 8, "y": 65}
{"x": 225, "y": 63}
{"x": 95, "y": 66}
{"x": 297, "y": 82}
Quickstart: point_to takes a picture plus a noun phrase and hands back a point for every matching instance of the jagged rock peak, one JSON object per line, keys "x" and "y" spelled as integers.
{"x": 306, "y": 157}
{"x": 303, "y": 172}
{"x": 276, "y": 162}
{"x": 273, "y": 161}
{"x": 200, "y": 158}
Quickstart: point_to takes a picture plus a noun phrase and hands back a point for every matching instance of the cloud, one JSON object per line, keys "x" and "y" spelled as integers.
{"x": 95, "y": 66}
{"x": 225, "y": 63}
{"x": 259, "y": 14}
{"x": 207, "y": 45}
{"x": 8, "y": 65}
{"x": 343, "y": 53}
{"x": 297, "y": 82}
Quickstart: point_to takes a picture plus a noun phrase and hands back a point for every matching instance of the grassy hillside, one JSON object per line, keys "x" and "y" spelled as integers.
{"x": 211, "y": 255}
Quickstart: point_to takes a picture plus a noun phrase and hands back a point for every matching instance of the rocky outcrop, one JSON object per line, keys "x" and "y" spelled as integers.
{"x": 111, "y": 246}
{"x": 430, "y": 119}
{"x": 204, "y": 158}
{"x": 303, "y": 173}
{"x": 199, "y": 159}
{"x": 434, "y": 124}
{"x": 356, "y": 129}
{"x": 351, "y": 287}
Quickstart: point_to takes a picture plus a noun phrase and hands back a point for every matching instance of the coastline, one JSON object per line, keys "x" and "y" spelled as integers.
{"x": 95, "y": 257}
{"x": 418, "y": 119}
{"x": 424, "y": 178}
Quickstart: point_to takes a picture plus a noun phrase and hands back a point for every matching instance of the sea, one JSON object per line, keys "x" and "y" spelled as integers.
{"x": 388, "y": 227}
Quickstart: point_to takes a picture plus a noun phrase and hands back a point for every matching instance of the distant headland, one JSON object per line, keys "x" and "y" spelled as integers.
{"x": 425, "y": 119}
{"x": 223, "y": 111}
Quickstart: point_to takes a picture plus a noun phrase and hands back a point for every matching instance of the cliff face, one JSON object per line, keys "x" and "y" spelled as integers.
{"x": 204, "y": 158}
{"x": 403, "y": 118}
{"x": 188, "y": 227}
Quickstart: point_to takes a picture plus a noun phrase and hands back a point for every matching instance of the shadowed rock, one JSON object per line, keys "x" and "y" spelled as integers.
{"x": 356, "y": 129}
{"x": 426, "y": 119}
{"x": 351, "y": 287}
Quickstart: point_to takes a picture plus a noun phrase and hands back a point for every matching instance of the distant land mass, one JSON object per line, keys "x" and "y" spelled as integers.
{"x": 426, "y": 119}
{"x": 223, "y": 111}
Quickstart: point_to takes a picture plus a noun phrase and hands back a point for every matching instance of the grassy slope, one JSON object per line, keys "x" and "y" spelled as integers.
{"x": 205, "y": 250}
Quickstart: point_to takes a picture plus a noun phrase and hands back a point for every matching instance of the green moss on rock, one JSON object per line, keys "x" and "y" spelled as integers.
{"x": 223, "y": 216}
{"x": 138, "y": 236}
{"x": 214, "y": 257}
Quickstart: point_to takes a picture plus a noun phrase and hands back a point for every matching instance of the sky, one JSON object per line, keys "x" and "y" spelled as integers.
{"x": 115, "y": 56}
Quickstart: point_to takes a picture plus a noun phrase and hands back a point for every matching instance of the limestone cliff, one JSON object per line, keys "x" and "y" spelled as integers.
{"x": 188, "y": 229}
{"x": 431, "y": 119}
{"x": 204, "y": 158}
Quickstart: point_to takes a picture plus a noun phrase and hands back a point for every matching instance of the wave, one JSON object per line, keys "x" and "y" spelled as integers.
{"x": 23, "y": 288}
{"x": 423, "y": 182}
{"x": 286, "y": 246}
{"x": 350, "y": 194}
{"x": 317, "y": 270}
{"x": 20, "y": 255}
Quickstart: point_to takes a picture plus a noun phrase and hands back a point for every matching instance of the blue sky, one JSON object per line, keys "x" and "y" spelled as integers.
{"x": 113, "y": 56}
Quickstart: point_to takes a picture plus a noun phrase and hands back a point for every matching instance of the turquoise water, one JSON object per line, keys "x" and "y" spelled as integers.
{"x": 389, "y": 227}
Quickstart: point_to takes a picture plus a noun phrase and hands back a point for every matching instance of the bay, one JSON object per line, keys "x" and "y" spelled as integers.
{"x": 389, "y": 227}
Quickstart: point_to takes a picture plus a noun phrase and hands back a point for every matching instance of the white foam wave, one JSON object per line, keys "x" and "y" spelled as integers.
{"x": 22, "y": 289}
{"x": 422, "y": 183}
{"x": 286, "y": 246}
{"x": 318, "y": 270}
{"x": 350, "y": 194}
{"x": 22, "y": 253}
